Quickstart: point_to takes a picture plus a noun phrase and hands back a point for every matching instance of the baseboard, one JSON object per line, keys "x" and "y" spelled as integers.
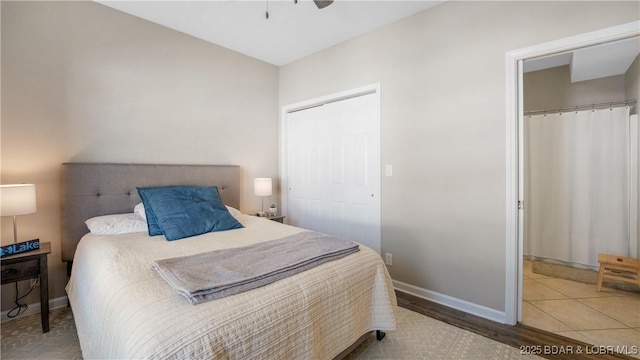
{"x": 446, "y": 300}
{"x": 35, "y": 308}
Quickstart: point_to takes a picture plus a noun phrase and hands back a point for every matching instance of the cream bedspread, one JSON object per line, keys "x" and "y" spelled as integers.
{"x": 123, "y": 309}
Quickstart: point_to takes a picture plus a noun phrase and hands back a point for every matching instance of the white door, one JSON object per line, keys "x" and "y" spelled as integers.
{"x": 333, "y": 169}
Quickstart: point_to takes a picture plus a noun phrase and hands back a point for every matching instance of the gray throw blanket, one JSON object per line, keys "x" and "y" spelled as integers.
{"x": 216, "y": 274}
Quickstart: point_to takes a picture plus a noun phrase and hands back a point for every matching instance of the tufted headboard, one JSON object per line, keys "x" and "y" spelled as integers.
{"x": 93, "y": 189}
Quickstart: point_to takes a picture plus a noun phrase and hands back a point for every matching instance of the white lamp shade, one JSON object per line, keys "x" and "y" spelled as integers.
{"x": 262, "y": 186}
{"x": 17, "y": 199}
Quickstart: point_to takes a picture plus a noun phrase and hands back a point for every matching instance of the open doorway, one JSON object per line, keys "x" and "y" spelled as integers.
{"x": 515, "y": 132}
{"x": 579, "y": 177}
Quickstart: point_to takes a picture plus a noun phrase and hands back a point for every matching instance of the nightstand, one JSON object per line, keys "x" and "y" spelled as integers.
{"x": 30, "y": 265}
{"x": 277, "y": 218}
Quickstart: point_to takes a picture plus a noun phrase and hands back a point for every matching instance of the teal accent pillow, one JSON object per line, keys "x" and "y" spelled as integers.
{"x": 183, "y": 211}
{"x": 152, "y": 220}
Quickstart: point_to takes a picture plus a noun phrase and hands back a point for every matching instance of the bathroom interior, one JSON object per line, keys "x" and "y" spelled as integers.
{"x": 581, "y": 192}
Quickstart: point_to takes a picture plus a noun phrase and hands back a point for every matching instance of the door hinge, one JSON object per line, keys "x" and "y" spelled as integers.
{"x": 520, "y": 204}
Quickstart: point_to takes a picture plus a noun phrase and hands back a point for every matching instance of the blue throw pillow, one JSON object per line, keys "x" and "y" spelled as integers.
{"x": 152, "y": 220}
{"x": 184, "y": 211}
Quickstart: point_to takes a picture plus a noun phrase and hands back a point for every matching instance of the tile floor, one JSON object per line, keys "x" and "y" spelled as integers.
{"x": 576, "y": 310}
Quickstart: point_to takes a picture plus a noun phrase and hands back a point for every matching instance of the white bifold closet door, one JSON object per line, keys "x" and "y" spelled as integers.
{"x": 333, "y": 169}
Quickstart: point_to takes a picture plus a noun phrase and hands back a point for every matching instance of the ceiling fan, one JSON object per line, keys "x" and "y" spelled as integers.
{"x": 321, "y": 4}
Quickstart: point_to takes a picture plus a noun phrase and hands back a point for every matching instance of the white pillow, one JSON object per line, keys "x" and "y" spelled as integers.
{"x": 233, "y": 211}
{"x": 139, "y": 210}
{"x": 116, "y": 224}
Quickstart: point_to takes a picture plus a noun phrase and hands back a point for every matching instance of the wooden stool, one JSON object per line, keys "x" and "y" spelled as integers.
{"x": 618, "y": 268}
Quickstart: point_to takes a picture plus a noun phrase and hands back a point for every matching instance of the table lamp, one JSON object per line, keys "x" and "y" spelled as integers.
{"x": 262, "y": 187}
{"x": 17, "y": 199}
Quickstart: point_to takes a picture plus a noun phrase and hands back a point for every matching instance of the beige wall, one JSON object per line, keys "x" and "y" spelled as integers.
{"x": 442, "y": 74}
{"x": 553, "y": 89}
{"x": 83, "y": 82}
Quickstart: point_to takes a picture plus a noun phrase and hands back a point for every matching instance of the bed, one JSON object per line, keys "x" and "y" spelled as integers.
{"x": 123, "y": 309}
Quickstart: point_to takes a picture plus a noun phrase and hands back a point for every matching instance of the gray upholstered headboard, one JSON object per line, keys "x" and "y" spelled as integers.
{"x": 90, "y": 190}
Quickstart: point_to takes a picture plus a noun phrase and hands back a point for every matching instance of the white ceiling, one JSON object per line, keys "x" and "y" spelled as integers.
{"x": 292, "y": 31}
{"x": 593, "y": 62}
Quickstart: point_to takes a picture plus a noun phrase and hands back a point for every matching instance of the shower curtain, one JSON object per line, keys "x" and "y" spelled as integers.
{"x": 577, "y": 181}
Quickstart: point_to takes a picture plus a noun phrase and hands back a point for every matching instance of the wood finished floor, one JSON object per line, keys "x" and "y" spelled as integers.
{"x": 516, "y": 336}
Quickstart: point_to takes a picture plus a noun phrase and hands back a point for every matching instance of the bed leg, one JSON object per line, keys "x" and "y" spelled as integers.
{"x": 380, "y": 335}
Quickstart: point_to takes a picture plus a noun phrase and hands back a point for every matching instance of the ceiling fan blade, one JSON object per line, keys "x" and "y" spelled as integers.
{"x": 322, "y": 3}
